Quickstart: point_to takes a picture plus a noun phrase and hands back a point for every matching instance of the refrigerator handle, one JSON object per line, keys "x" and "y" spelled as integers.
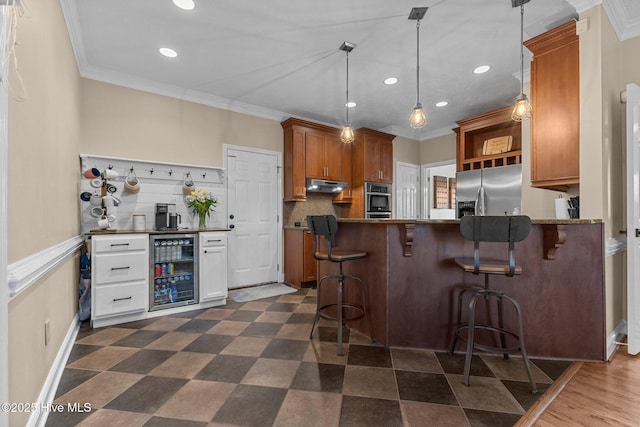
{"x": 480, "y": 202}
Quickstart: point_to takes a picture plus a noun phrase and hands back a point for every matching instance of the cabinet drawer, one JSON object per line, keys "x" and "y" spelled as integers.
{"x": 116, "y": 299}
{"x": 111, "y": 268}
{"x": 212, "y": 239}
{"x": 121, "y": 243}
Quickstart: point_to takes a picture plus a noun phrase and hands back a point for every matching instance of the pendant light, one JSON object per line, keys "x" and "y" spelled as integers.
{"x": 347, "y": 135}
{"x": 417, "y": 119}
{"x": 522, "y": 109}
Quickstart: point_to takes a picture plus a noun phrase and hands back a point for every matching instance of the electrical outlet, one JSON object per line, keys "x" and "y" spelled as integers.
{"x": 47, "y": 332}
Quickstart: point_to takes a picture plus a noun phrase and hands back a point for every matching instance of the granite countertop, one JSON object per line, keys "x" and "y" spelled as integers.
{"x": 152, "y": 231}
{"x": 295, "y": 227}
{"x": 456, "y": 221}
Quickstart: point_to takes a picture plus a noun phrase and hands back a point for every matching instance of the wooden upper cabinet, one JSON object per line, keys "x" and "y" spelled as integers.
{"x": 555, "y": 98}
{"x": 294, "y": 162}
{"x": 346, "y": 196}
{"x": 474, "y": 131}
{"x": 323, "y": 155}
{"x": 377, "y": 155}
{"x": 312, "y": 150}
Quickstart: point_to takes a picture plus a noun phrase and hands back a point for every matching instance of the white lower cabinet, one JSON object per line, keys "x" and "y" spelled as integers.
{"x": 213, "y": 265}
{"x": 120, "y": 275}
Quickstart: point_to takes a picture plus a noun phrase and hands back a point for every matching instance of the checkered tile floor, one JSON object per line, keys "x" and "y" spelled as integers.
{"x": 252, "y": 364}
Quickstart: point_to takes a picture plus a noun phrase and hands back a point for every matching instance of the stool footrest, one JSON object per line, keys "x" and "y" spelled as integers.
{"x": 487, "y": 348}
{"x": 358, "y": 308}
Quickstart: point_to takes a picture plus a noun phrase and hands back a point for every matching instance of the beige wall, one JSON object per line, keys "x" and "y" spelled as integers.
{"x": 630, "y": 70}
{"x": 122, "y": 122}
{"x": 438, "y": 149}
{"x": 43, "y": 201}
{"x": 405, "y": 150}
{"x": 602, "y": 146}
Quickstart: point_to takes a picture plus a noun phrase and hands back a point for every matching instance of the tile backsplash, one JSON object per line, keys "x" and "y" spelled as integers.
{"x": 293, "y": 212}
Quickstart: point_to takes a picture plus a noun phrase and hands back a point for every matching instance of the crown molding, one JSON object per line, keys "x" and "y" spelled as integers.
{"x": 582, "y": 5}
{"x": 69, "y": 11}
{"x": 626, "y": 27}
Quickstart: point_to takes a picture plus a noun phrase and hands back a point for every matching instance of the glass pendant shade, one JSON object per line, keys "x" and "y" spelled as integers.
{"x": 417, "y": 119}
{"x": 522, "y": 110}
{"x": 347, "y": 135}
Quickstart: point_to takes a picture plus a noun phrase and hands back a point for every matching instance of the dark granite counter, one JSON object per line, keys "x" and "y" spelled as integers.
{"x": 456, "y": 221}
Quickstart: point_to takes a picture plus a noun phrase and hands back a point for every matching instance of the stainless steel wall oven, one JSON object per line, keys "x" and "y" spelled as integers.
{"x": 377, "y": 200}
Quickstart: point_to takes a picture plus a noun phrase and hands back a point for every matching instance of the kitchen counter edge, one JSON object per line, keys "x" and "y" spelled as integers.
{"x": 180, "y": 231}
{"x": 456, "y": 221}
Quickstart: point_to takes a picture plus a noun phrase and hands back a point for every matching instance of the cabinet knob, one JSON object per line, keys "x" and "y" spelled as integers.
{"x": 231, "y": 216}
{"x": 232, "y": 226}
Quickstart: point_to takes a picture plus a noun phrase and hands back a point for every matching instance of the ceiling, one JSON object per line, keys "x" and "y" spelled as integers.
{"x": 279, "y": 58}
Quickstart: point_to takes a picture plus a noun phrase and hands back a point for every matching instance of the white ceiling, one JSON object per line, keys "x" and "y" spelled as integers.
{"x": 279, "y": 58}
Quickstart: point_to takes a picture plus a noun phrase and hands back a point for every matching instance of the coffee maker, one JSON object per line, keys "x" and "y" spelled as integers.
{"x": 166, "y": 216}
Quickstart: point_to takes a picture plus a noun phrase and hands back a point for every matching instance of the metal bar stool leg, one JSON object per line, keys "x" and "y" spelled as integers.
{"x": 315, "y": 319}
{"x": 470, "y": 338}
{"x": 364, "y": 308}
{"x": 458, "y": 322}
{"x": 534, "y": 388}
{"x": 339, "y": 309}
{"x": 503, "y": 338}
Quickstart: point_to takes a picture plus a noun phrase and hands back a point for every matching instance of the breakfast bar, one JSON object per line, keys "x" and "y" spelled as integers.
{"x": 413, "y": 283}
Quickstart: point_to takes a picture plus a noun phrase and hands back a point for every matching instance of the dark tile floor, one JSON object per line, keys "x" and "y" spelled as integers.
{"x": 252, "y": 364}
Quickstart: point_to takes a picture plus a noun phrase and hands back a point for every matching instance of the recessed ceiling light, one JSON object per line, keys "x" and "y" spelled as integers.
{"x": 481, "y": 69}
{"x": 169, "y": 53}
{"x": 391, "y": 80}
{"x": 441, "y": 103}
{"x": 184, "y": 4}
{"x": 350, "y": 104}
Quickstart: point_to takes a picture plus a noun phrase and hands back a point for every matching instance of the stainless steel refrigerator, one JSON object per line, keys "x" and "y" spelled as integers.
{"x": 490, "y": 191}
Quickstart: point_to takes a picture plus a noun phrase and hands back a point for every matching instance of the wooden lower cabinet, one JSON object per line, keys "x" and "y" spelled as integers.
{"x": 300, "y": 267}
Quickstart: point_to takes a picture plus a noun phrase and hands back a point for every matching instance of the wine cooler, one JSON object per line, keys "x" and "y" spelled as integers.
{"x": 174, "y": 270}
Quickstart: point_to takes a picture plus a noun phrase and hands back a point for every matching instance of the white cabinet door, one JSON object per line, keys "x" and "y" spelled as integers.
{"x": 213, "y": 266}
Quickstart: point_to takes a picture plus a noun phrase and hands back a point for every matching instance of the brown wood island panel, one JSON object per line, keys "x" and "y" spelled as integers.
{"x": 413, "y": 298}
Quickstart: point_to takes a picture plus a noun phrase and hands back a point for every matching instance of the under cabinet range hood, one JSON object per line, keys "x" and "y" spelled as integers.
{"x": 325, "y": 186}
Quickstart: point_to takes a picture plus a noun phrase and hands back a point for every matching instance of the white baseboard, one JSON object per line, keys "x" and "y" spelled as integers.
{"x": 47, "y": 394}
{"x": 615, "y": 337}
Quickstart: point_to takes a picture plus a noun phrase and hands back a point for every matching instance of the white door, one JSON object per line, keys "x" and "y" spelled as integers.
{"x": 407, "y": 182}
{"x": 253, "y": 216}
{"x": 633, "y": 218}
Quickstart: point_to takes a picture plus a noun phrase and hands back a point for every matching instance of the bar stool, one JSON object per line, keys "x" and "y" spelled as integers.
{"x": 507, "y": 229}
{"x": 326, "y": 226}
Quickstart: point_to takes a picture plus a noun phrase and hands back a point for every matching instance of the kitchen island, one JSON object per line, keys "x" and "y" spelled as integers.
{"x": 413, "y": 283}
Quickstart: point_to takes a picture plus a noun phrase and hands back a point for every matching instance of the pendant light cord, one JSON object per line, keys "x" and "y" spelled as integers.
{"x": 417, "y": 62}
{"x": 346, "y": 106}
{"x": 522, "y": 49}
